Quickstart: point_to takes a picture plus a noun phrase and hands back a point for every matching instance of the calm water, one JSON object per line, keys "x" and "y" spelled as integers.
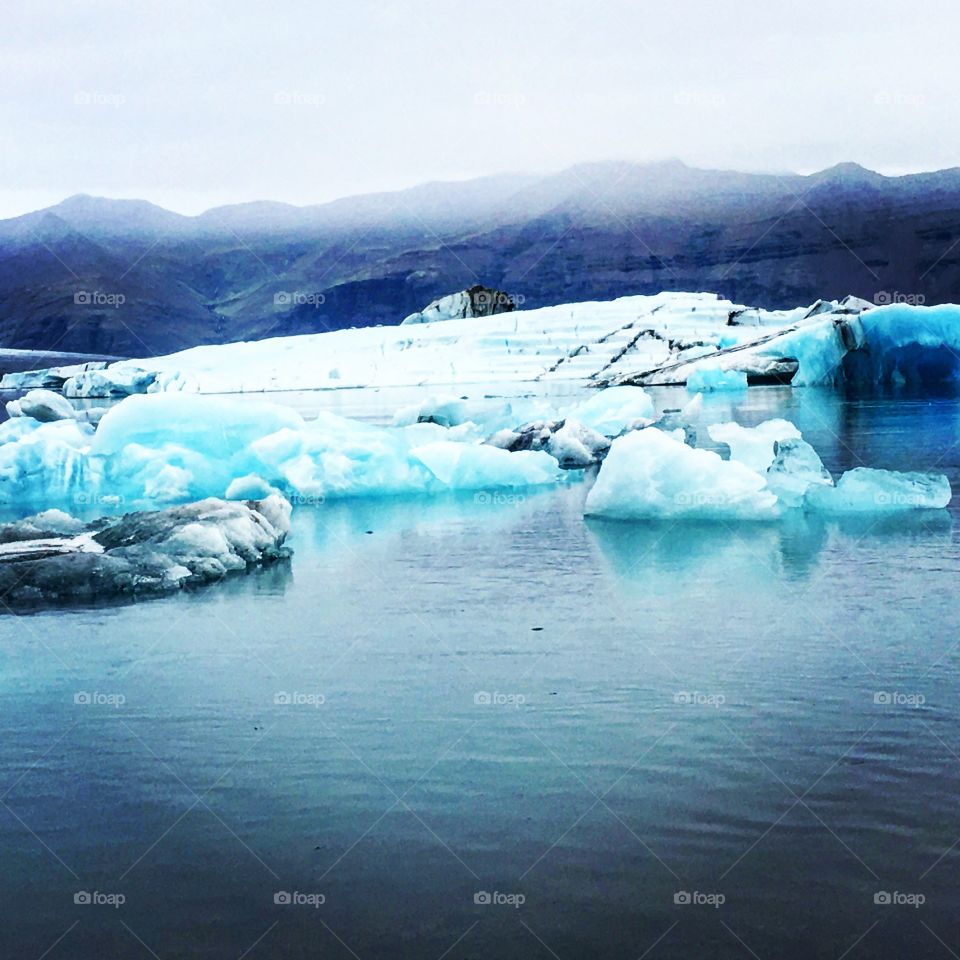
{"x": 686, "y": 709}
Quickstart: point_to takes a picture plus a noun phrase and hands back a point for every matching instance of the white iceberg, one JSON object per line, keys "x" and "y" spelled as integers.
{"x": 650, "y": 474}
{"x": 653, "y": 475}
{"x": 613, "y": 410}
{"x": 865, "y": 490}
{"x": 753, "y": 446}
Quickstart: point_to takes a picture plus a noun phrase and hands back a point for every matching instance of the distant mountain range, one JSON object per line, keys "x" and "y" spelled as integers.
{"x": 128, "y": 278}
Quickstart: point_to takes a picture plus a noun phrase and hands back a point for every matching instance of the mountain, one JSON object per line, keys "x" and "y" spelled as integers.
{"x": 126, "y": 277}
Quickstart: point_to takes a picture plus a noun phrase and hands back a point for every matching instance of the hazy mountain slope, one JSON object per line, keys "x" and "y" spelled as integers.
{"x": 594, "y": 231}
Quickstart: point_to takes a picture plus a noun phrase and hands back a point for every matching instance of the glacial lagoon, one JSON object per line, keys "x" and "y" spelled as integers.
{"x": 480, "y": 725}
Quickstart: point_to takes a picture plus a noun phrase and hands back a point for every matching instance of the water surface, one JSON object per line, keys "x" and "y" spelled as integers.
{"x": 490, "y": 695}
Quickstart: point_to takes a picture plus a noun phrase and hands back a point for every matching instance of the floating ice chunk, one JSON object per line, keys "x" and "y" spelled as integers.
{"x": 753, "y": 446}
{"x": 250, "y": 487}
{"x": 141, "y": 553}
{"x": 795, "y": 468}
{"x": 215, "y": 426}
{"x": 573, "y": 445}
{"x": 713, "y": 378}
{"x": 865, "y": 490}
{"x": 613, "y": 410}
{"x": 649, "y": 474}
{"x": 488, "y": 414}
{"x": 446, "y": 411}
{"x": 171, "y": 448}
{"x": 44, "y": 405}
{"x": 476, "y": 467}
{"x": 118, "y": 381}
{"x": 693, "y": 408}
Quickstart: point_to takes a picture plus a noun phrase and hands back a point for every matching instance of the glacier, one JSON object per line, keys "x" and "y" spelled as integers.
{"x": 697, "y": 339}
{"x": 590, "y": 342}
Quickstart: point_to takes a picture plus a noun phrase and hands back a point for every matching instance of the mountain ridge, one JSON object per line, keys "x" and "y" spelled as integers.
{"x": 127, "y": 277}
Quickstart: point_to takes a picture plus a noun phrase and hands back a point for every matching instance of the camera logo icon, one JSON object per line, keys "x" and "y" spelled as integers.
{"x": 282, "y": 897}
{"x": 681, "y": 897}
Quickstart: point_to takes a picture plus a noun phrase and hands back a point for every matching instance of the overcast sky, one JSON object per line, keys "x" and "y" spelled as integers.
{"x": 194, "y": 104}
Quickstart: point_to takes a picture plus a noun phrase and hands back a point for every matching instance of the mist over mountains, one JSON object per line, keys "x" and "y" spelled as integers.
{"x": 128, "y": 278}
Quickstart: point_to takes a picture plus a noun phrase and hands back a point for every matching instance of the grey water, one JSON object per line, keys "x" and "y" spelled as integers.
{"x": 482, "y": 726}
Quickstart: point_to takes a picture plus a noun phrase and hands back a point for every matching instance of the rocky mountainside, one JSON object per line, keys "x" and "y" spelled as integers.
{"x": 125, "y": 277}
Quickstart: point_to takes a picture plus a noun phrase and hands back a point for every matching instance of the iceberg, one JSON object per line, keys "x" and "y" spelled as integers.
{"x": 753, "y": 446}
{"x": 866, "y": 490}
{"x": 53, "y": 557}
{"x": 795, "y": 469}
{"x": 613, "y": 410}
{"x": 46, "y": 406}
{"x": 569, "y": 442}
{"x": 650, "y": 474}
{"x": 170, "y": 448}
{"x": 653, "y": 475}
